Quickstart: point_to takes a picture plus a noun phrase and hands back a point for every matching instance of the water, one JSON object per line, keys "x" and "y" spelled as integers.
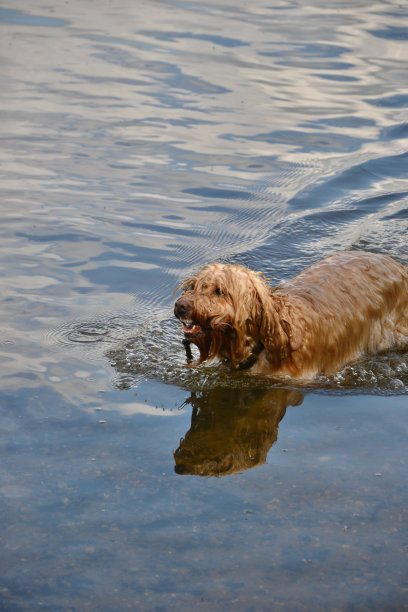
{"x": 138, "y": 142}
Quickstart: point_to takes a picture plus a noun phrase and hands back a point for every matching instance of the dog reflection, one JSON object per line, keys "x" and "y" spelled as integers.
{"x": 232, "y": 430}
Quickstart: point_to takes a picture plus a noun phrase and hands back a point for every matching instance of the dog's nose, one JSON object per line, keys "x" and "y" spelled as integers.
{"x": 181, "y": 308}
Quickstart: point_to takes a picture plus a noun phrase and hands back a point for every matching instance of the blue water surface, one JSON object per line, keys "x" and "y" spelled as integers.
{"x": 140, "y": 141}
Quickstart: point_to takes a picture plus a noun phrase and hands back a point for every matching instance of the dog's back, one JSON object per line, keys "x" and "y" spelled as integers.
{"x": 346, "y": 305}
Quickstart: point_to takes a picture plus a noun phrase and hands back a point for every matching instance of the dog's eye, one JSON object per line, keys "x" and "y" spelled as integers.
{"x": 217, "y": 291}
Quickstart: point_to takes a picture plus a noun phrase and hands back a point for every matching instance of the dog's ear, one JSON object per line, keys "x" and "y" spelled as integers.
{"x": 272, "y": 333}
{"x": 293, "y": 331}
{"x": 267, "y": 321}
{"x": 279, "y": 332}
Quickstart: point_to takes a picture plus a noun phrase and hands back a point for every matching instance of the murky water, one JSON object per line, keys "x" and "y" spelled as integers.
{"x": 140, "y": 140}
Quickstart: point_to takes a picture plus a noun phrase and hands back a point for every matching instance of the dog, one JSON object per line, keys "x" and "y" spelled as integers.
{"x": 347, "y": 305}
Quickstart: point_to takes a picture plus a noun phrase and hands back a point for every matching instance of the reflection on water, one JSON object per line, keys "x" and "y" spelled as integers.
{"x": 231, "y": 430}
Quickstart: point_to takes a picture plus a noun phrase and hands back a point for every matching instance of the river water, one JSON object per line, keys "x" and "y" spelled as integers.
{"x": 139, "y": 141}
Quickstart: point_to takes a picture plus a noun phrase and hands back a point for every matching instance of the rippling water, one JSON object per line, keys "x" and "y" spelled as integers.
{"x": 140, "y": 140}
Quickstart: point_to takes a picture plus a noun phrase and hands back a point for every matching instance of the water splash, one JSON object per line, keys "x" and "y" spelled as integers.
{"x": 156, "y": 352}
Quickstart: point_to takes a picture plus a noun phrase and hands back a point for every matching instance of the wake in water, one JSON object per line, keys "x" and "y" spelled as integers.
{"x": 156, "y": 352}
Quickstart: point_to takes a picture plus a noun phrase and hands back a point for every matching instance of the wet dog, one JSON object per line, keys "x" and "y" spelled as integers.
{"x": 347, "y": 305}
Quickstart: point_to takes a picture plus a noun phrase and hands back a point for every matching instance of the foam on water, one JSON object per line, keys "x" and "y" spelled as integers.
{"x": 156, "y": 352}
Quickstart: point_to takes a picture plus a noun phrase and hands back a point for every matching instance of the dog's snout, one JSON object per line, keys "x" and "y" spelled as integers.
{"x": 181, "y": 308}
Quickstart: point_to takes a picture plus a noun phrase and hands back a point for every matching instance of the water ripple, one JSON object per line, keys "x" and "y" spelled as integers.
{"x": 156, "y": 352}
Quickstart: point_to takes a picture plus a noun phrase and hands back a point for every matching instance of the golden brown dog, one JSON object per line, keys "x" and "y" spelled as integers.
{"x": 339, "y": 309}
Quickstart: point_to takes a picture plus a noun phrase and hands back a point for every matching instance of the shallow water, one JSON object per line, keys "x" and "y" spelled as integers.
{"x": 138, "y": 142}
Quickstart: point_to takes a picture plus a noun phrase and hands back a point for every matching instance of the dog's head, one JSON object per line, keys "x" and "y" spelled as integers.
{"x": 222, "y": 310}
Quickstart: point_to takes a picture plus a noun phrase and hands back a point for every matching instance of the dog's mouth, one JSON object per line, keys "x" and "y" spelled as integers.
{"x": 196, "y": 334}
{"x": 191, "y": 329}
